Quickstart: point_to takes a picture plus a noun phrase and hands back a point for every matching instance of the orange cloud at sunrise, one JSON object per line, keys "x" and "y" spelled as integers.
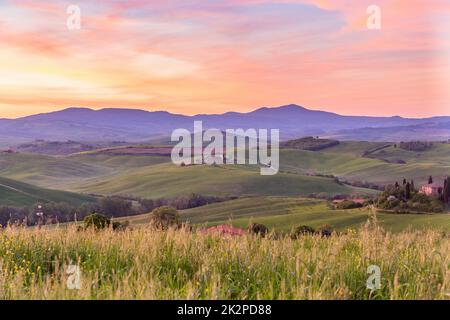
{"x": 194, "y": 57}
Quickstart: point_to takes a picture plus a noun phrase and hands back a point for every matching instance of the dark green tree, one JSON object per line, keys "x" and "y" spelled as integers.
{"x": 408, "y": 191}
{"x": 165, "y": 217}
{"x": 115, "y": 207}
{"x": 430, "y": 180}
{"x": 96, "y": 221}
{"x": 446, "y": 193}
{"x": 258, "y": 229}
{"x": 301, "y": 231}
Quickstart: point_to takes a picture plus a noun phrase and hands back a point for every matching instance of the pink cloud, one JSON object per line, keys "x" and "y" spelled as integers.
{"x": 236, "y": 54}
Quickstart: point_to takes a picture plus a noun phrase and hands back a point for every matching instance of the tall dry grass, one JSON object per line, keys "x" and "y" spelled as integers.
{"x": 148, "y": 264}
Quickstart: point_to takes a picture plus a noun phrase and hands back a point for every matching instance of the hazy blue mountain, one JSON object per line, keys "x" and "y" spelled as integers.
{"x": 83, "y": 124}
{"x": 293, "y": 119}
{"x": 430, "y": 131}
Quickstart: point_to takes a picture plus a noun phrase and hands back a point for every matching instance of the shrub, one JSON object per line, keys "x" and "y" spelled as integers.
{"x": 302, "y": 230}
{"x": 165, "y": 217}
{"x": 325, "y": 231}
{"x": 348, "y": 204}
{"x": 310, "y": 143}
{"x": 258, "y": 229}
{"x": 96, "y": 221}
{"x": 416, "y": 145}
{"x": 120, "y": 226}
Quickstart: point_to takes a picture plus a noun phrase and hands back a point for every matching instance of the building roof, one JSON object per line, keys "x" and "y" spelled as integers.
{"x": 224, "y": 229}
{"x": 434, "y": 185}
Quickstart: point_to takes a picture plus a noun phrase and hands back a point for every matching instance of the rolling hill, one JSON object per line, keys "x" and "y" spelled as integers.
{"x": 273, "y": 200}
{"x": 348, "y": 162}
{"x": 127, "y": 171}
{"x": 18, "y": 194}
{"x": 167, "y": 180}
{"x": 284, "y": 213}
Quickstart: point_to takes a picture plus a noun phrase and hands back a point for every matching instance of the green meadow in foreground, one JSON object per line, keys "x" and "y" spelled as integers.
{"x": 149, "y": 264}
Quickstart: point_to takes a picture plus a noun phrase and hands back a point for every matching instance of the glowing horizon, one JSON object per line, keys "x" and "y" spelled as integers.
{"x": 195, "y": 57}
{"x": 212, "y": 113}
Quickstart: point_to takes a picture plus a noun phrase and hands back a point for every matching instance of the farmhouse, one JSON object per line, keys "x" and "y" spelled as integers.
{"x": 432, "y": 189}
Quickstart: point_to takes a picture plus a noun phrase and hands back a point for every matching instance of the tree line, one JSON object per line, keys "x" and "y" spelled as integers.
{"x": 406, "y": 198}
{"x": 113, "y": 206}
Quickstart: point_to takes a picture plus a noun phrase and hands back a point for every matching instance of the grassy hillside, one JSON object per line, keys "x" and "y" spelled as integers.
{"x": 17, "y": 194}
{"x": 167, "y": 180}
{"x": 355, "y": 148}
{"x": 154, "y": 176}
{"x": 47, "y": 171}
{"x": 65, "y": 172}
{"x": 284, "y": 213}
{"x": 345, "y": 161}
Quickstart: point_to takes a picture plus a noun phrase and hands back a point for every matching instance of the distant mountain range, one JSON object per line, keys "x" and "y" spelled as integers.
{"x": 83, "y": 124}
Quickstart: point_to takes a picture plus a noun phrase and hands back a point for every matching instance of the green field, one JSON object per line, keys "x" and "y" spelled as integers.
{"x": 144, "y": 263}
{"x": 284, "y": 213}
{"x": 167, "y": 180}
{"x": 67, "y": 172}
{"x": 154, "y": 176}
{"x": 18, "y": 194}
{"x": 346, "y": 161}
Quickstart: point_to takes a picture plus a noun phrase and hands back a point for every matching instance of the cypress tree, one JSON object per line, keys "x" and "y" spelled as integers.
{"x": 430, "y": 180}
{"x": 404, "y": 181}
{"x": 446, "y": 193}
{"x": 407, "y": 191}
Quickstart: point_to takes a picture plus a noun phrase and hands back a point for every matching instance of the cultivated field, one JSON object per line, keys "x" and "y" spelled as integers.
{"x": 15, "y": 193}
{"x": 124, "y": 171}
{"x": 148, "y": 264}
{"x": 346, "y": 160}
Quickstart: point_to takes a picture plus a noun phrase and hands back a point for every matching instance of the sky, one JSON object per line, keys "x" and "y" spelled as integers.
{"x": 214, "y": 56}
